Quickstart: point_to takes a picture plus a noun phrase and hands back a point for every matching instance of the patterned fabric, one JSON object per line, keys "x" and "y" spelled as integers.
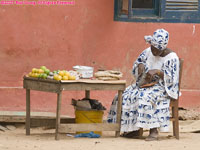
{"x": 159, "y": 39}
{"x": 149, "y": 107}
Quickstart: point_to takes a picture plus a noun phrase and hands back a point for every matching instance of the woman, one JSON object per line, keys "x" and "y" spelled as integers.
{"x": 148, "y": 106}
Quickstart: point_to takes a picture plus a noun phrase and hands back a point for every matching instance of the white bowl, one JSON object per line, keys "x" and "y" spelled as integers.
{"x": 85, "y": 71}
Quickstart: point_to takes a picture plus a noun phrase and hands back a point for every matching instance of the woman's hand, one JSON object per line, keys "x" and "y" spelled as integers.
{"x": 141, "y": 69}
{"x": 153, "y": 72}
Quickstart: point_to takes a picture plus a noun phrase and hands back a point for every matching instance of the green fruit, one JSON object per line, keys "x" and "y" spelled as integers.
{"x": 44, "y": 76}
{"x": 43, "y": 67}
{"x": 40, "y": 76}
{"x": 47, "y": 71}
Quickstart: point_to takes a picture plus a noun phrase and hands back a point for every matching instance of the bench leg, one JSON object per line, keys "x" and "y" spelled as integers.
{"x": 28, "y": 123}
{"x": 175, "y": 122}
{"x": 140, "y": 133}
{"x": 87, "y": 94}
{"x": 119, "y": 112}
{"x": 59, "y": 96}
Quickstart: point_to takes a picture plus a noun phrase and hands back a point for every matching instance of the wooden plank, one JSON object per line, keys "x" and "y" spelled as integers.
{"x": 75, "y": 81}
{"x": 88, "y": 86}
{"x": 94, "y": 81}
{"x": 19, "y": 117}
{"x": 88, "y": 127}
{"x": 33, "y": 114}
{"x": 51, "y": 123}
{"x": 14, "y": 119}
{"x": 42, "y": 86}
{"x": 36, "y": 122}
{"x": 74, "y": 85}
{"x": 125, "y": 5}
{"x": 183, "y": 1}
{"x": 181, "y": 4}
{"x": 83, "y": 84}
{"x": 41, "y": 80}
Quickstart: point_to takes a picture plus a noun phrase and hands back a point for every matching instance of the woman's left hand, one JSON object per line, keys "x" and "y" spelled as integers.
{"x": 153, "y": 72}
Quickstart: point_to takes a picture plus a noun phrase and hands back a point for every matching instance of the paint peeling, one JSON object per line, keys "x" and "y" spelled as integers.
{"x": 193, "y": 30}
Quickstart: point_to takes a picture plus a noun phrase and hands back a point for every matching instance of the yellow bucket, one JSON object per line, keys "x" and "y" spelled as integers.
{"x": 89, "y": 116}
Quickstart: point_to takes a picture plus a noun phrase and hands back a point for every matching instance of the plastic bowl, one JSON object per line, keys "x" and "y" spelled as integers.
{"x": 85, "y": 71}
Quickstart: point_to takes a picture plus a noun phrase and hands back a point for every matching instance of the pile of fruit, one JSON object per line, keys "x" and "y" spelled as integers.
{"x": 45, "y": 73}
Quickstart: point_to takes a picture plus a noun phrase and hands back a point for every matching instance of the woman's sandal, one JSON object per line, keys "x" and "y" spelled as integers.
{"x": 132, "y": 134}
{"x": 151, "y": 138}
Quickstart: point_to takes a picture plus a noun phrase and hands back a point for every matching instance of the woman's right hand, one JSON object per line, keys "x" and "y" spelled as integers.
{"x": 141, "y": 69}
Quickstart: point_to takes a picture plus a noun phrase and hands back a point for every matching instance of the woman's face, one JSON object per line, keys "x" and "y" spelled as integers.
{"x": 155, "y": 51}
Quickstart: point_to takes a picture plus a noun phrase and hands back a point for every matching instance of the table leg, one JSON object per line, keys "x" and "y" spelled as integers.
{"x": 119, "y": 111}
{"x": 87, "y": 94}
{"x": 59, "y": 96}
{"x": 28, "y": 123}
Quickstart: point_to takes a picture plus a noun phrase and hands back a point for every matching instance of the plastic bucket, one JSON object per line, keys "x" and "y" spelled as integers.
{"x": 89, "y": 116}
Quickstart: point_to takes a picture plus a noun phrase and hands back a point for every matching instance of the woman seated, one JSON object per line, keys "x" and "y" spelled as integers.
{"x": 146, "y": 103}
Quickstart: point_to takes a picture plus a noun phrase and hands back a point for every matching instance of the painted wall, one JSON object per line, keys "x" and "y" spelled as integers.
{"x": 60, "y": 37}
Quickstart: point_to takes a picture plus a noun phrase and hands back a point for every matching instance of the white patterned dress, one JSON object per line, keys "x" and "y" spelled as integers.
{"x": 149, "y": 107}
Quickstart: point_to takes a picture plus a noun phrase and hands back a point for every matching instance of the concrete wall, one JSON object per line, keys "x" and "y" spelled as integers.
{"x": 60, "y": 37}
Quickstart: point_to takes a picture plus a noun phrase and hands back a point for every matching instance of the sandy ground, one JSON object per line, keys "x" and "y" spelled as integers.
{"x": 44, "y": 139}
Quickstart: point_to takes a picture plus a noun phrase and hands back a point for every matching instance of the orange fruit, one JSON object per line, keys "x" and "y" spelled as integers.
{"x": 59, "y": 78}
{"x": 34, "y": 75}
{"x": 72, "y": 77}
{"x": 30, "y": 74}
{"x": 40, "y": 71}
{"x": 37, "y": 75}
{"x": 61, "y": 73}
{"x": 67, "y": 73}
{"x": 65, "y": 78}
{"x": 55, "y": 77}
{"x": 34, "y": 70}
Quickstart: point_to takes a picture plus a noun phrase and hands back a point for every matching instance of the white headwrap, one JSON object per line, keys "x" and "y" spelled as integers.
{"x": 159, "y": 39}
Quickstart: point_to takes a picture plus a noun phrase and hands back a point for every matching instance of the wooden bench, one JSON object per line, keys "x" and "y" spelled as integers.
{"x": 57, "y": 87}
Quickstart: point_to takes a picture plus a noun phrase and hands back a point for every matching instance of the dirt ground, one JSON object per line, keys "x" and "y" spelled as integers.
{"x": 44, "y": 139}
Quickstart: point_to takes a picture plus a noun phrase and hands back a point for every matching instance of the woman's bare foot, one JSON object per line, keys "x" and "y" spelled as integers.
{"x": 153, "y": 135}
{"x": 132, "y": 134}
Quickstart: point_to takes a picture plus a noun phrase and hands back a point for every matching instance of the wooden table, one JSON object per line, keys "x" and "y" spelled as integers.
{"x": 54, "y": 86}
